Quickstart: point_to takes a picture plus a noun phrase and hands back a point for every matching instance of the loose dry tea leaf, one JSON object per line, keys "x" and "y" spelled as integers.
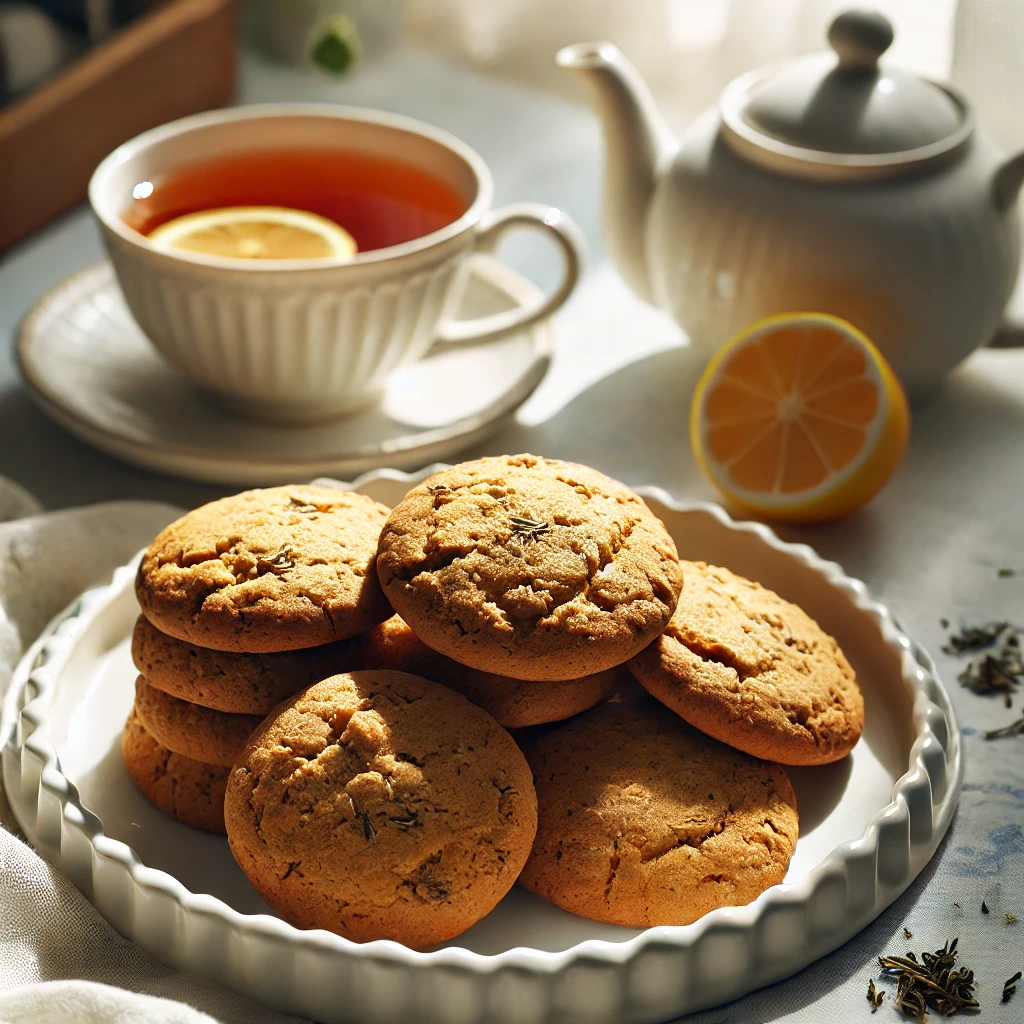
{"x": 1010, "y": 986}
{"x": 994, "y": 673}
{"x": 908, "y": 933}
{"x": 1013, "y": 729}
{"x": 958, "y": 907}
{"x": 277, "y": 564}
{"x": 1010, "y": 919}
{"x": 529, "y": 529}
{"x": 975, "y": 638}
{"x": 931, "y": 983}
{"x": 368, "y": 830}
{"x": 1004, "y": 573}
{"x": 944, "y": 623}
{"x": 984, "y": 907}
{"x": 874, "y": 996}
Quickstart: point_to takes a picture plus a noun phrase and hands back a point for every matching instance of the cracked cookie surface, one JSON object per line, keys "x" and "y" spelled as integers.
{"x": 185, "y": 789}
{"x": 644, "y": 821}
{"x": 378, "y": 804}
{"x": 754, "y": 671}
{"x": 529, "y": 568}
{"x": 267, "y": 570}
{"x": 211, "y": 737}
{"x": 514, "y": 703}
{"x": 242, "y": 684}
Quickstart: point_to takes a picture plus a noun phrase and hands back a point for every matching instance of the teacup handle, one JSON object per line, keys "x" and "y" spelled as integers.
{"x": 557, "y": 225}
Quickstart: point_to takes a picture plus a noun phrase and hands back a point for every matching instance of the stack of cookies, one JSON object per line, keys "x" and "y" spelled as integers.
{"x": 245, "y": 601}
{"x": 333, "y": 685}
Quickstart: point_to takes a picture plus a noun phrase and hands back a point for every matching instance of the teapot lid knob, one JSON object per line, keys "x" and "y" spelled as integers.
{"x": 859, "y": 39}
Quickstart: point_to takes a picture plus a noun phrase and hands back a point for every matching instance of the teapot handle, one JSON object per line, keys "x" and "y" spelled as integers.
{"x": 1006, "y": 185}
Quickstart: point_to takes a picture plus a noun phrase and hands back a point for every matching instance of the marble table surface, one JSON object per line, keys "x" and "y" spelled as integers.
{"x": 617, "y": 397}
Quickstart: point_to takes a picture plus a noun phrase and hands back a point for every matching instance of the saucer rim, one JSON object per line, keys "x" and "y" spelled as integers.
{"x": 220, "y": 465}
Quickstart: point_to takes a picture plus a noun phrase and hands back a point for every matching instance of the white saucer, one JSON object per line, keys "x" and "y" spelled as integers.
{"x": 89, "y": 366}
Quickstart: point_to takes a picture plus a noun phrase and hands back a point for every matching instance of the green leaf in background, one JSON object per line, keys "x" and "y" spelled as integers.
{"x": 336, "y": 45}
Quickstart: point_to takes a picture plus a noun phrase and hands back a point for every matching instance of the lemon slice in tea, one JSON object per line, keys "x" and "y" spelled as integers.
{"x": 256, "y": 233}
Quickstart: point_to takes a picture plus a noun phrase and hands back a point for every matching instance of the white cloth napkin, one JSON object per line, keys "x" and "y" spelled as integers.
{"x": 49, "y": 932}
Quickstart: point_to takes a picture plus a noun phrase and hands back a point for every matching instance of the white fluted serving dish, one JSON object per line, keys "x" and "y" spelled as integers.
{"x": 868, "y": 826}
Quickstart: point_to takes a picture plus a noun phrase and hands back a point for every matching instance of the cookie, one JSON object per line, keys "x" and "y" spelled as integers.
{"x": 204, "y": 735}
{"x": 529, "y": 568}
{"x": 514, "y": 703}
{"x": 267, "y": 570}
{"x": 380, "y": 805}
{"x": 242, "y": 684}
{"x": 754, "y": 671}
{"x": 644, "y": 821}
{"x": 185, "y": 789}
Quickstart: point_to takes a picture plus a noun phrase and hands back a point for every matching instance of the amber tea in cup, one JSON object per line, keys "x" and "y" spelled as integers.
{"x": 379, "y": 201}
{"x": 209, "y": 223}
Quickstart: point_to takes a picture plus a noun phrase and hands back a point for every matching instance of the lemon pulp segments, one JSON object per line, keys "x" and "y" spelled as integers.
{"x": 799, "y": 417}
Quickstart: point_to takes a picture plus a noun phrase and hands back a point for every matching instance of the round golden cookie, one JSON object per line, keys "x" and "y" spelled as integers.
{"x": 754, "y": 671}
{"x": 267, "y": 570}
{"x": 380, "y": 805}
{"x": 514, "y": 703}
{"x": 644, "y": 821}
{"x": 185, "y": 789}
{"x": 529, "y": 567}
{"x": 241, "y": 684}
{"x": 204, "y": 735}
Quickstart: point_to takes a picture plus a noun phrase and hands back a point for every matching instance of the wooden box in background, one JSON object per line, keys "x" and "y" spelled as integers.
{"x": 178, "y": 60}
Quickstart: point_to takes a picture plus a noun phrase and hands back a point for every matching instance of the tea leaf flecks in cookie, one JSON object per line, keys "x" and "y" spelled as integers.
{"x": 931, "y": 983}
{"x": 875, "y": 997}
{"x": 368, "y": 830}
{"x": 528, "y": 529}
{"x": 1010, "y": 986}
{"x": 438, "y": 488}
{"x": 1013, "y": 729}
{"x": 277, "y": 564}
{"x": 975, "y": 638}
{"x": 298, "y": 505}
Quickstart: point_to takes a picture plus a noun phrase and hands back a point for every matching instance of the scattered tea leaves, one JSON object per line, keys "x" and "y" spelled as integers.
{"x": 975, "y": 638}
{"x": 984, "y": 907}
{"x": 1013, "y": 729}
{"x": 908, "y": 933}
{"x": 875, "y": 997}
{"x": 944, "y": 623}
{"x": 958, "y": 907}
{"x": 1006, "y": 573}
{"x": 933, "y": 982}
{"x": 1009, "y": 987}
{"x": 994, "y": 673}
{"x": 1010, "y": 919}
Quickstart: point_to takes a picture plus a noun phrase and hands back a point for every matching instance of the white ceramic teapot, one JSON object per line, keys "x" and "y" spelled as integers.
{"x": 826, "y": 183}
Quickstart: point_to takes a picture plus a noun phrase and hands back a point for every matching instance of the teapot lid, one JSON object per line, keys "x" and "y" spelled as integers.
{"x": 841, "y": 115}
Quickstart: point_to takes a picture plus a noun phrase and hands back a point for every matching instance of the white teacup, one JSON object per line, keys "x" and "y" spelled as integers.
{"x": 305, "y": 339}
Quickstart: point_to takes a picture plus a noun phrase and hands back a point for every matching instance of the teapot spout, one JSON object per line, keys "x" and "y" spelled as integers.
{"x": 1008, "y": 179}
{"x": 638, "y": 144}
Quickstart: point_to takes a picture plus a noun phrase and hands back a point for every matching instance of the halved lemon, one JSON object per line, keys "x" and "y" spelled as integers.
{"x": 256, "y": 233}
{"x": 799, "y": 418}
